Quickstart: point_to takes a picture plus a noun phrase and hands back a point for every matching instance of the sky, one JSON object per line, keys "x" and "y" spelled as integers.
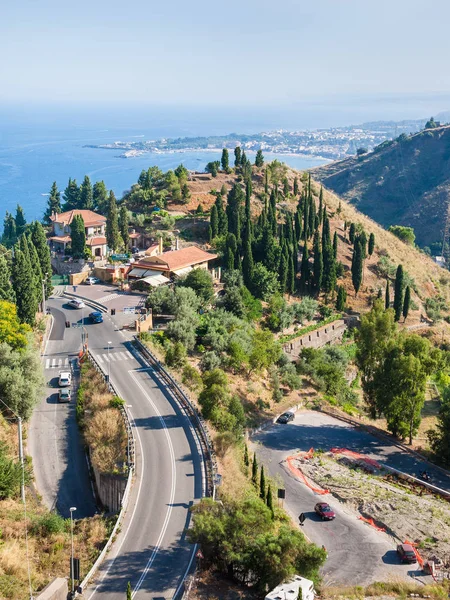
{"x": 235, "y": 53}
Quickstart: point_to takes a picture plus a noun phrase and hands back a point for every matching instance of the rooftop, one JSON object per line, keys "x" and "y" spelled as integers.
{"x": 90, "y": 218}
{"x": 177, "y": 259}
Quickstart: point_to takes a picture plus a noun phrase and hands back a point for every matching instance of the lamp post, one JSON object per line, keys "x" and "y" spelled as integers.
{"x": 44, "y": 282}
{"x": 72, "y": 509}
{"x": 109, "y": 366}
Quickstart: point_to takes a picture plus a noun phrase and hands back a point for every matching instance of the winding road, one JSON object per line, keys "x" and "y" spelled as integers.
{"x": 151, "y": 550}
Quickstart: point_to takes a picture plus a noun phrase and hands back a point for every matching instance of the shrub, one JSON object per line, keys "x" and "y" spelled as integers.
{"x": 191, "y": 377}
{"x": 116, "y": 402}
{"x": 48, "y": 524}
{"x": 176, "y": 355}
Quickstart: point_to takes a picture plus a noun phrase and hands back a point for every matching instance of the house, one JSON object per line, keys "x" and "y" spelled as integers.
{"x": 290, "y": 590}
{"x": 170, "y": 265}
{"x": 94, "y": 227}
{"x": 440, "y": 260}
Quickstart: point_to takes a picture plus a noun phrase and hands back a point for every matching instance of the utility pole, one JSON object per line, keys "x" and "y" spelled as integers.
{"x": 72, "y": 509}
{"x": 19, "y": 429}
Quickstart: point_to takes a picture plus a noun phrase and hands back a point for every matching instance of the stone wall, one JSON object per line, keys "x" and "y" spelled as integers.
{"x": 55, "y": 590}
{"x": 110, "y": 489}
{"x": 328, "y": 334}
{"x": 62, "y": 267}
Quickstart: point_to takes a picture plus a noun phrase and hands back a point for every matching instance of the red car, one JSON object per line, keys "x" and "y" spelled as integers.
{"x": 324, "y": 511}
{"x": 406, "y": 553}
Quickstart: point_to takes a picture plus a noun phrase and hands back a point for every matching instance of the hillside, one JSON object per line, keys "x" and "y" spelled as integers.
{"x": 403, "y": 182}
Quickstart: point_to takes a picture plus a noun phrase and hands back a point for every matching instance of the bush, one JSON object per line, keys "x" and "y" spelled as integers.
{"x": 49, "y": 524}
{"x": 176, "y": 355}
{"x": 191, "y": 377}
{"x": 116, "y": 402}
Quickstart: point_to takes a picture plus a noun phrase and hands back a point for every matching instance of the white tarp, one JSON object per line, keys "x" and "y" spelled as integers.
{"x": 141, "y": 272}
{"x": 156, "y": 280}
{"x": 182, "y": 272}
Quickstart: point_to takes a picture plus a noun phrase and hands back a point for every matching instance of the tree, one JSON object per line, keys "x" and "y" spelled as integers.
{"x": 100, "y": 197}
{"x": 361, "y": 151}
{"x": 440, "y": 436}
{"x": 237, "y": 156}
{"x": 112, "y": 224}
{"x": 341, "y": 298}
{"x": 259, "y": 159}
{"x": 352, "y": 233}
{"x": 6, "y": 289}
{"x": 432, "y": 124}
{"x": 265, "y": 351}
{"x": 185, "y": 193}
{"x": 225, "y": 160}
{"x": 406, "y": 302}
{"x": 22, "y": 275}
{"x": 235, "y": 201}
{"x": 71, "y": 195}
{"x": 318, "y": 263}
{"x": 129, "y": 595}
{"x": 39, "y": 241}
{"x": 335, "y": 245}
{"x": 246, "y": 459}
{"x": 398, "y": 292}
{"x": 222, "y": 218}
{"x": 78, "y": 235}
{"x": 357, "y": 266}
{"x": 20, "y": 220}
{"x": 85, "y": 201}
{"x": 9, "y": 237}
{"x": 264, "y": 283}
{"x": 305, "y": 272}
{"x": 371, "y": 247}
{"x": 255, "y": 471}
{"x": 213, "y": 167}
{"x": 406, "y": 234}
{"x": 269, "y": 499}
{"x": 53, "y": 203}
{"x": 231, "y": 252}
{"x": 387, "y": 299}
{"x": 248, "y": 264}
{"x": 201, "y": 282}
{"x": 295, "y": 190}
{"x": 262, "y": 485}
{"x": 123, "y": 224}
{"x": 213, "y": 223}
{"x": 12, "y": 331}
{"x": 286, "y": 187}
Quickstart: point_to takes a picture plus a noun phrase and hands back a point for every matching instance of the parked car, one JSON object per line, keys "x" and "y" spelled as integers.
{"x": 76, "y": 303}
{"x": 406, "y": 553}
{"x": 135, "y": 250}
{"x": 65, "y": 378}
{"x": 92, "y": 280}
{"x": 64, "y": 395}
{"x": 96, "y": 317}
{"x": 286, "y": 417}
{"x": 324, "y": 511}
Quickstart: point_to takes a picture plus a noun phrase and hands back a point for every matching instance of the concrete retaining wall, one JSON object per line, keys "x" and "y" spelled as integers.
{"x": 55, "y": 590}
{"x": 110, "y": 489}
{"x": 328, "y": 334}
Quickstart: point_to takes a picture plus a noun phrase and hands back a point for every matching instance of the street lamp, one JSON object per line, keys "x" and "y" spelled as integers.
{"x": 109, "y": 366}
{"x": 44, "y": 285}
{"x": 72, "y": 509}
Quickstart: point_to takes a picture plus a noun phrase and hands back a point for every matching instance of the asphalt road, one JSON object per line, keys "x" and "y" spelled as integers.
{"x": 151, "y": 550}
{"x": 357, "y": 553}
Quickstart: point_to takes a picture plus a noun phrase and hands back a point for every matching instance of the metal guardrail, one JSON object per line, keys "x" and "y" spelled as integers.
{"x": 196, "y": 418}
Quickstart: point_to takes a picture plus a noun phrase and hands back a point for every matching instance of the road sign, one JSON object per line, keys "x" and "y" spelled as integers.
{"x": 119, "y": 256}
{"x": 217, "y": 479}
{"x": 301, "y": 518}
{"x": 129, "y": 309}
{"x": 281, "y": 494}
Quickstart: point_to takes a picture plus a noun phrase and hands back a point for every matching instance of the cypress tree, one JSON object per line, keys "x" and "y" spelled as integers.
{"x": 222, "y": 219}
{"x": 266, "y": 181}
{"x": 225, "y": 160}
{"x": 298, "y": 225}
{"x": 26, "y": 301}
{"x": 213, "y": 223}
{"x": 379, "y": 294}
{"x": 283, "y": 272}
{"x": 9, "y": 237}
{"x": 371, "y": 247}
{"x": 20, "y": 220}
{"x": 262, "y": 485}
{"x": 123, "y": 224}
{"x": 305, "y": 269}
{"x": 100, "y": 196}
{"x": 53, "y": 203}
{"x": 78, "y": 235}
{"x": 43, "y": 251}
{"x": 357, "y": 266}
{"x": 341, "y": 298}
{"x": 269, "y": 499}
{"x": 259, "y": 159}
{"x": 320, "y": 204}
{"x": 86, "y": 195}
{"x": 6, "y": 288}
{"x": 230, "y": 251}
{"x": 306, "y": 222}
{"x": 406, "y": 302}
{"x": 247, "y": 264}
{"x": 286, "y": 188}
{"x": 363, "y": 242}
{"x": 237, "y": 156}
{"x": 129, "y": 593}
{"x": 329, "y": 268}
{"x": 246, "y": 459}
{"x": 255, "y": 471}
{"x": 326, "y": 234}
{"x": 295, "y": 186}
{"x": 243, "y": 159}
{"x": 312, "y": 216}
{"x": 318, "y": 263}
{"x": 352, "y": 233}
{"x": 36, "y": 268}
{"x": 290, "y": 284}
{"x": 387, "y": 299}
{"x": 234, "y": 202}
{"x": 398, "y": 292}
{"x": 335, "y": 245}
{"x": 112, "y": 224}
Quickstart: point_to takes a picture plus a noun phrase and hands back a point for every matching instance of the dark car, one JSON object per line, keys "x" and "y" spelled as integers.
{"x": 286, "y": 417}
{"x": 406, "y": 553}
{"x": 324, "y": 511}
{"x": 96, "y": 317}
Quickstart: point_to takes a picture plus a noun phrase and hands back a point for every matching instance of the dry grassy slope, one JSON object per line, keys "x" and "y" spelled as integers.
{"x": 406, "y": 183}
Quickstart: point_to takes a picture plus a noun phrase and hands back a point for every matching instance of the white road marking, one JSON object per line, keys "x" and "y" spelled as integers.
{"x": 123, "y": 356}
{"x": 47, "y": 363}
{"x": 112, "y": 357}
{"x": 60, "y": 362}
{"x": 53, "y": 362}
{"x": 99, "y": 358}
{"x": 128, "y": 354}
{"x": 106, "y": 357}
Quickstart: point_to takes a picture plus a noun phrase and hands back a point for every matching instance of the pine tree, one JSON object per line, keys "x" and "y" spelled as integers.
{"x": 341, "y": 298}
{"x": 387, "y": 299}
{"x": 335, "y": 245}
{"x": 406, "y": 302}
{"x": 53, "y": 203}
{"x": 100, "y": 196}
{"x": 246, "y": 458}
{"x": 305, "y": 275}
{"x": 269, "y": 499}
{"x": 26, "y": 301}
{"x": 357, "y": 266}
{"x": 20, "y": 220}
{"x": 6, "y": 288}
{"x": 371, "y": 247}
{"x": 296, "y": 186}
{"x": 237, "y": 156}
{"x": 43, "y": 251}
{"x": 129, "y": 594}
{"x": 71, "y": 195}
{"x": 255, "y": 471}
{"x": 213, "y": 223}
{"x": 86, "y": 195}
{"x": 112, "y": 224}
{"x": 78, "y": 235}
{"x": 352, "y": 233}
{"x": 398, "y": 292}
{"x": 320, "y": 204}
{"x": 318, "y": 263}
{"x": 259, "y": 159}
{"x": 225, "y": 160}
{"x": 247, "y": 263}
{"x": 123, "y": 224}
{"x": 262, "y": 485}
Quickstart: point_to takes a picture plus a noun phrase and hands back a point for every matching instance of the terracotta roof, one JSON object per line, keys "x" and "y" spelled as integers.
{"x": 61, "y": 238}
{"x": 177, "y": 259}
{"x": 96, "y": 241}
{"x": 134, "y": 236}
{"x": 90, "y": 218}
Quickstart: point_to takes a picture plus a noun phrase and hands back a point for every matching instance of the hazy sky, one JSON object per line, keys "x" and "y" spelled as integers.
{"x": 237, "y": 52}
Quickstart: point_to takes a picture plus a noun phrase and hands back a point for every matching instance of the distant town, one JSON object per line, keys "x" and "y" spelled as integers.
{"x": 334, "y": 143}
